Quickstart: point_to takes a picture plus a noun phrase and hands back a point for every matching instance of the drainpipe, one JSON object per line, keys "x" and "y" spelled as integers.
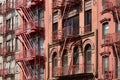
{"x": 96, "y": 75}
{"x": 48, "y": 63}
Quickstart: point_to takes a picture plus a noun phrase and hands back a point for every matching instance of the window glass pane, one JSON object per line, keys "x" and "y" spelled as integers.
{"x": 105, "y": 63}
{"x": 88, "y": 17}
{"x": 105, "y": 28}
{"x": 16, "y": 44}
{"x": 117, "y": 27}
{"x": 54, "y": 61}
{"x": 16, "y": 21}
{"x": 55, "y": 26}
{"x": 76, "y": 56}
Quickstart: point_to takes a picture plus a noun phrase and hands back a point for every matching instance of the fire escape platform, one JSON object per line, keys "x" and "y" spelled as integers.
{"x": 73, "y": 38}
{"x": 81, "y": 76}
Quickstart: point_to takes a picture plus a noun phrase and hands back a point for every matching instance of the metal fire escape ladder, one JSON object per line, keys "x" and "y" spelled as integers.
{"x": 28, "y": 14}
{"x": 28, "y": 45}
{"x": 115, "y": 45}
{"x": 66, "y": 39}
{"x": 116, "y": 11}
{"x": 27, "y": 41}
{"x": 116, "y": 52}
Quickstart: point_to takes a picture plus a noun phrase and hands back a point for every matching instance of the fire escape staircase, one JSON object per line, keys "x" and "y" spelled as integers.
{"x": 28, "y": 72}
{"x": 27, "y": 14}
{"x": 26, "y": 40}
{"x": 115, "y": 10}
{"x": 28, "y": 43}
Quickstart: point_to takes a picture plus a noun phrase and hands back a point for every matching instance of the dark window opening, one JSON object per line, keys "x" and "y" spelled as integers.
{"x": 8, "y": 47}
{"x": 16, "y": 44}
{"x": 76, "y": 56}
{"x": 8, "y": 24}
{"x": 105, "y": 63}
{"x": 88, "y": 57}
{"x": 55, "y": 31}
{"x": 54, "y": 63}
{"x": 55, "y": 26}
{"x": 88, "y": 21}
{"x": 65, "y": 62}
{"x": 16, "y": 21}
{"x": 41, "y": 18}
{"x": 71, "y": 26}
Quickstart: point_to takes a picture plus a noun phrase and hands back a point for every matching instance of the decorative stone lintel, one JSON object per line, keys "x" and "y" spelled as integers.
{"x": 105, "y": 53}
{"x": 105, "y": 20}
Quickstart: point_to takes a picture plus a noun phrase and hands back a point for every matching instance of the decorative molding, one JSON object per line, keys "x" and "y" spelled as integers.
{"x": 105, "y": 53}
{"x": 105, "y": 20}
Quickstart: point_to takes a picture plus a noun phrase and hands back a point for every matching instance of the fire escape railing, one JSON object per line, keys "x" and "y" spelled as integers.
{"x": 108, "y": 75}
{"x": 65, "y": 32}
{"x": 7, "y": 50}
{"x": 60, "y": 4}
{"x": 75, "y": 69}
{"x": 5, "y": 29}
{"x": 7, "y": 72}
{"x": 87, "y": 28}
{"x": 111, "y": 38}
{"x": 108, "y": 6}
{"x": 6, "y": 7}
{"x": 113, "y": 7}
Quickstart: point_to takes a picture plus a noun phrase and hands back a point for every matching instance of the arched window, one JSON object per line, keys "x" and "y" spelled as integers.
{"x": 75, "y": 60}
{"x": 54, "y": 63}
{"x": 65, "y": 62}
{"x": 88, "y": 65}
{"x": 76, "y": 56}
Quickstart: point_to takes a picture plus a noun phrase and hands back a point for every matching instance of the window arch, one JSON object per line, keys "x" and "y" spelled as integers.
{"x": 54, "y": 63}
{"x": 76, "y": 56}
{"x": 65, "y": 62}
{"x": 88, "y": 55}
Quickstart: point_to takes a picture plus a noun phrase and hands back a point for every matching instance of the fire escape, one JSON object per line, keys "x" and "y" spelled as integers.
{"x": 29, "y": 61}
{"x": 112, "y": 39}
{"x": 5, "y": 29}
{"x": 65, "y": 36}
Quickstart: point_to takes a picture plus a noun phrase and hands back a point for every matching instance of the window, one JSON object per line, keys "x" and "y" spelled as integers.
{"x": 0, "y": 24}
{"x": 76, "y": 60}
{"x": 54, "y": 63}
{"x": 65, "y": 62}
{"x": 16, "y": 68}
{"x": 88, "y": 21}
{"x": 16, "y": 43}
{"x": 0, "y": 45}
{"x": 105, "y": 29}
{"x": 0, "y": 66}
{"x": 8, "y": 22}
{"x": 41, "y": 72}
{"x": 16, "y": 21}
{"x": 55, "y": 26}
{"x": 88, "y": 17}
{"x": 71, "y": 26}
{"x": 88, "y": 55}
{"x": 41, "y": 17}
{"x": 55, "y": 31}
{"x": 105, "y": 65}
{"x": 8, "y": 45}
{"x": 76, "y": 56}
{"x": 117, "y": 27}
